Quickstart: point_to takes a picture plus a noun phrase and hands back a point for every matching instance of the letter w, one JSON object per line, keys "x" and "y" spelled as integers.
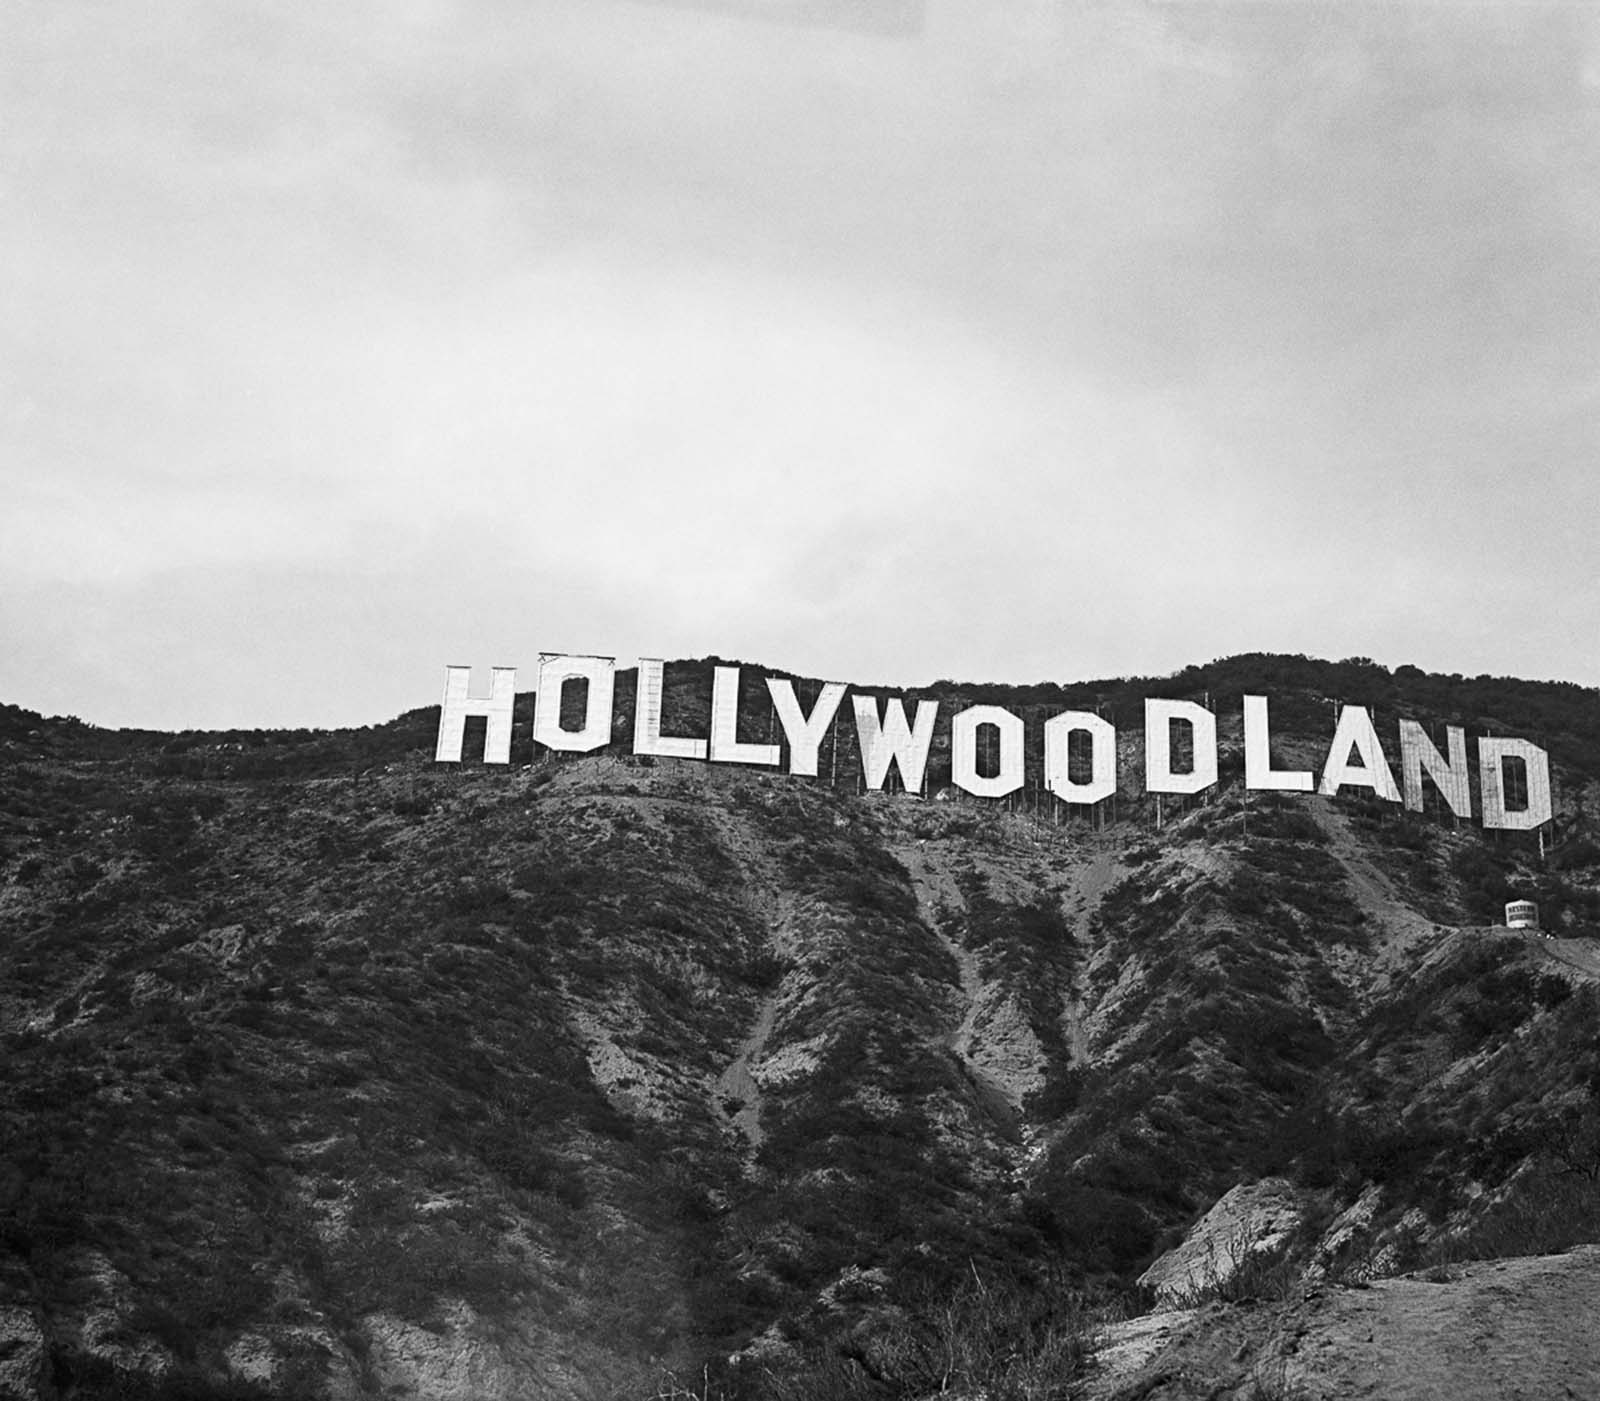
{"x": 892, "y": 740}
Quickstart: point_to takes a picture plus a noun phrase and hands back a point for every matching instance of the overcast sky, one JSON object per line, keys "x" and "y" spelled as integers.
{"x": 883, "y": 340}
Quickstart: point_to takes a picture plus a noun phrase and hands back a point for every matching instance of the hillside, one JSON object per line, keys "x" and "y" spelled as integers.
{"x": 1480, "y": 1331}
{"x": 335, "y": 1073}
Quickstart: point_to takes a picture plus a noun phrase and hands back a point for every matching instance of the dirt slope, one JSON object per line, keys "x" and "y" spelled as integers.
{"x": 1500, "y": 1330}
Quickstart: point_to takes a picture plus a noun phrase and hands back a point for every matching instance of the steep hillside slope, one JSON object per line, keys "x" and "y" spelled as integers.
{"x": 331, "y": 1072}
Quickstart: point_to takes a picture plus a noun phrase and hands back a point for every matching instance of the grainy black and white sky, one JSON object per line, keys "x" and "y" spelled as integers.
{"x": 878, "y": 339}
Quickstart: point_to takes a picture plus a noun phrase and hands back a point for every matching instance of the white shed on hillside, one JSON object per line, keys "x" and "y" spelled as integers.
{"x": 1522, "y": 914}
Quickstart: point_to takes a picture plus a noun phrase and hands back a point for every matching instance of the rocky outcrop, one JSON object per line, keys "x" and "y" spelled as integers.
{"x": 1249, "y": 1227}
{"x": 450, "y": 1364}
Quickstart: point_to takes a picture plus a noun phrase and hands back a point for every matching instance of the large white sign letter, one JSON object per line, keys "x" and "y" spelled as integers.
{"x": 647, "y": 736}
{"x": 1258, "y": 770}
{"x": 964, "y": 751}
{"x": 458, "y": 704}
{"x": 554, "y": 673}
{"x": 725, "y": 744}
{"x": 1355, "y": 731}
{"x": 893, "y": 740}
{"x": 1492, "y": 756}
{"x": 1103, "y": 761}
{"x": 803, "y": 732}
{"x": 1158, "y": 719}
{"x": 1417, "y": 752}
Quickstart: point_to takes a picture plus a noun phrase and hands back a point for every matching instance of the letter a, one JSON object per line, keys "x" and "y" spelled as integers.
{"x": 1355, "y": 732}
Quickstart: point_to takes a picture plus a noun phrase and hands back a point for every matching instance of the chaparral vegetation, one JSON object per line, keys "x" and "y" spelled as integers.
{"x": 332, "y": 1072}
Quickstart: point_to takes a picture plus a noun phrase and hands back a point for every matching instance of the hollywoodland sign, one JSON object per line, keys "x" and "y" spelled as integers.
{"x": 886, "y": 736}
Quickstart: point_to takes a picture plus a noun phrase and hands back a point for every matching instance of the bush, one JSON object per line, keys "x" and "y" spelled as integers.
{"x": 1003, "y": 1338}
{"x": 1546, "y": 1212}
{"x": 86, "y": 1377}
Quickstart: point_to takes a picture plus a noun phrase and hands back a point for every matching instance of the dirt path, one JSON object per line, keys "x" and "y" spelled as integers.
{"x": 1398, "y": 928}
{"x": 935, "y": 886}
{"x": 1498, "y": 1329}
{"x": 997, "y": 1053}
{"x": 745, "y": 844}
{"x": 1580, "y": 954}
{"x": 971, "y": 990}
{"x": 737, "y": 1094}
{"x": 1492, "y": 1330}
{"x": 1090, "y": 883}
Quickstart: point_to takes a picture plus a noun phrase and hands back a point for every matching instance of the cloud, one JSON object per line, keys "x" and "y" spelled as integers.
{"x": 1200, "y": 326}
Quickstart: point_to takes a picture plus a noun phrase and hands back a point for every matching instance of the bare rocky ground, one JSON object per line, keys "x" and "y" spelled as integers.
{"x": 1490, "y": 1330}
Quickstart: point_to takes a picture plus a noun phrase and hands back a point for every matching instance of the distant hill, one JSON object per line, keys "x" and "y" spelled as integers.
{"x": 334, "y": 1073}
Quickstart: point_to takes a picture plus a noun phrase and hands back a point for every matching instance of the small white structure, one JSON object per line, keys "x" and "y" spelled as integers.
{"x": 1522, "y": 914}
